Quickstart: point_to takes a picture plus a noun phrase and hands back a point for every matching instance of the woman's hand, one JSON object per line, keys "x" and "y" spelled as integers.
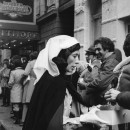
{"x": 82, "y": 85}
{"x": 111, "y": 95}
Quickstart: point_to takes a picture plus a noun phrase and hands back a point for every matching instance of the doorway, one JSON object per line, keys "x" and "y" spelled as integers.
{"x": 67, "y": 21}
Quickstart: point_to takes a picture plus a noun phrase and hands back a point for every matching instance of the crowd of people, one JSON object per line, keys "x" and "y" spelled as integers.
{"x": 53, "y": 88}
{"x": 16, "y": 82}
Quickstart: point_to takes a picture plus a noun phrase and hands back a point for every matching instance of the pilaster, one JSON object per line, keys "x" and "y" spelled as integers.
{"x": 81, "y": 25}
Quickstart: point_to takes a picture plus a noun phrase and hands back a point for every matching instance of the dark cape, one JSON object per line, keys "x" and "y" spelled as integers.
{"x": 46, "y": 107}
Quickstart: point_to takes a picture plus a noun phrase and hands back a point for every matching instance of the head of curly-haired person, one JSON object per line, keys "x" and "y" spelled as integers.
{"x": 33, "y": 55}
{"x": 17, "y": 63}
{"x": 103, "y": 47}
{"x": 126, "y": 46}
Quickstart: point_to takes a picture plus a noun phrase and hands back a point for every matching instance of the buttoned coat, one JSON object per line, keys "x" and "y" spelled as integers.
{"x": 16, "y": 86}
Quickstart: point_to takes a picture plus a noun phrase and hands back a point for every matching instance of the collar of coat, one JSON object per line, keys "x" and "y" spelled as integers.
{"x": 18, "y": 68}
{"x": 120, "y": 66}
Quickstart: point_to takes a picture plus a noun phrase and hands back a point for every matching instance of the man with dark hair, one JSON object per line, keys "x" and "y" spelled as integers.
{"x": 104, "y": 48}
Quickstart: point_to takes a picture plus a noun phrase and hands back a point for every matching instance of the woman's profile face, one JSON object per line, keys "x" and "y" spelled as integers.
{"x": 71, "y": 60}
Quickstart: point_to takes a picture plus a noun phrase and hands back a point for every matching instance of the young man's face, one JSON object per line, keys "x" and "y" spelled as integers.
{"x": 100, "y": 52}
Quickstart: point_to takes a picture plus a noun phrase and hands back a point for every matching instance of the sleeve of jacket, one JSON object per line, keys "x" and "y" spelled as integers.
{"x": 27, "y": 69}
{"x": 105, "y": 75}
{"x": 123, "y": 99}
{"x": 11, "y": 79}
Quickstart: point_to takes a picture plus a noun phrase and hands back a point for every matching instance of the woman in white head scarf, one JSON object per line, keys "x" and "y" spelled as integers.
{"x": 51, "y": 101}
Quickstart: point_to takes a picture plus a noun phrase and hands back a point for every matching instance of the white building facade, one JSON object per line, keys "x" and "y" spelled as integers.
{"x": 92, "y": 19}
{"x": 108, "y": 18}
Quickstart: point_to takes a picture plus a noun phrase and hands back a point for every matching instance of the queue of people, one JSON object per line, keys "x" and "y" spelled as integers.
{"x": 53, "y": 87}
{"x": 14, "y": 91}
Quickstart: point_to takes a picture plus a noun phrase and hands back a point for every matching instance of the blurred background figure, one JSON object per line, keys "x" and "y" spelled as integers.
{"x": 24, "y": 61}
{"x": 11, "y": 62}
{"x": 16, "y": 89}
{"x": 89, "y": 74}
{"x": 94, "y": 64}
{"x": 5, "y": 72}
{"x": 29, "y": 84}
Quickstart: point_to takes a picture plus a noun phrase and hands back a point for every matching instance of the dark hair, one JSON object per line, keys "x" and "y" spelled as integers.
{"x": 17, "y": 63}
{"x": 126, "y": 46}
{"x": 64, "y": 53}
{"x": 61, "y": 59}
{"x": 24, "y": 59}
{"x": 106, "y": 44}
{"x": 118, "y": 55}
{"x": 33, "y": 55}
{"x": 15, "y": 57}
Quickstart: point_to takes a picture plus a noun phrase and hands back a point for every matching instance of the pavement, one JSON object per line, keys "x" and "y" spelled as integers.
{"x": 6, "y": 123}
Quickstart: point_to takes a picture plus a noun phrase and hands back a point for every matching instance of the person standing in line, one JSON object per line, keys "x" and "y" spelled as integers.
{"x": 89, "y": 74}
{"x": 4, "y": 72}
{"x": 29, "y": 83}
{"x": 16, "y": 89}
{"x": 104, "y": 48}
{"x": 93, "y": 65}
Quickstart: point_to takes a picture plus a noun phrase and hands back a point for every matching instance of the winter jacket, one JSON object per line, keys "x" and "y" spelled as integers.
{"x": 123, "y": 68}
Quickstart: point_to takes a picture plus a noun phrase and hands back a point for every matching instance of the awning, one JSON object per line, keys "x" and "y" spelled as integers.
{"x": 14, "y": 35}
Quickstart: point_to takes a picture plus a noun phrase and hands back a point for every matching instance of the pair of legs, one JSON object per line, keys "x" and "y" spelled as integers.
{"x": 17, "y": 110}
{"x": 6, "y": 96}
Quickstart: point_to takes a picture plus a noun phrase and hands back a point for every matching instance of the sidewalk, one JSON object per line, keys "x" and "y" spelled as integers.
{"x": 6, "y": 123}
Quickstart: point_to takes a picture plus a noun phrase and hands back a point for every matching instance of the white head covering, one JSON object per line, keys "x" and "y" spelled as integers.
{"x": 54, "y": 46}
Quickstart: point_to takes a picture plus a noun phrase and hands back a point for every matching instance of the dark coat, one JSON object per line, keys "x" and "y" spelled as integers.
{"x": 97, "y": 88}
{"x": 124, "y": 79}
{"x": 47, "y": 103}
{"x": 123, "y": 99}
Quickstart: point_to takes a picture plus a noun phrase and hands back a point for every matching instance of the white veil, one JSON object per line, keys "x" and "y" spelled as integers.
{"x": 54, "y": 46}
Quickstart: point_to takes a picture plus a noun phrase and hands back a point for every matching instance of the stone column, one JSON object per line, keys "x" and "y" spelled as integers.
{"x": 42, "y": 7}
{"x": 81, "y": 25}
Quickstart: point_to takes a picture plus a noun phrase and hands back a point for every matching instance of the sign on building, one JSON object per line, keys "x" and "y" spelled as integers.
{"x": 18, "y": 11}
{"x": 17, "y": 34}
